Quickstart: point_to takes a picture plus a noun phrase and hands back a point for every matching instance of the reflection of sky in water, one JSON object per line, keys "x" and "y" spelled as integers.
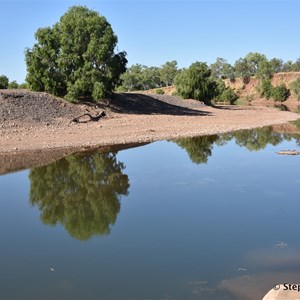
{"x": 227, "y": 228}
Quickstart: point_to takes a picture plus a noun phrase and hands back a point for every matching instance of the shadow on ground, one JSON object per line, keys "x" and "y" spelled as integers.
{"x": 134, "y": 103}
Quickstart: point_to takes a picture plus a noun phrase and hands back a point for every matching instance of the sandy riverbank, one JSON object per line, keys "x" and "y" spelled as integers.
{"x": 127, "y": 123}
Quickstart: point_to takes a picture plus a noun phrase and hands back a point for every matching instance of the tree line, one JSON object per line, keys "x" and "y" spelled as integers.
{"x": 141, "y": 77}
{"x": 76, "y": 59}
{"x": 5, "y": 83}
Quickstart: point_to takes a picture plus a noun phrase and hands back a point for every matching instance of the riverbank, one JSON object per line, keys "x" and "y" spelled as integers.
{"x": 130, "y": 118}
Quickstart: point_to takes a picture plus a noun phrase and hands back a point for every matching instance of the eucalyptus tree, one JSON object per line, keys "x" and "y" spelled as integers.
{"x": 168, "y": 72}
{"x": 196, "y": 83}
{"x": 75, "y": 58}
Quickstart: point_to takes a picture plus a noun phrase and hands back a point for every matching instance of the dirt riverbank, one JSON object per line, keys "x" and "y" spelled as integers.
{"x": 40, "y": 124}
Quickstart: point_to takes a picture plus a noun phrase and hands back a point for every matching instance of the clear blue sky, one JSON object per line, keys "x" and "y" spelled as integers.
{"x": 153, "y": 32}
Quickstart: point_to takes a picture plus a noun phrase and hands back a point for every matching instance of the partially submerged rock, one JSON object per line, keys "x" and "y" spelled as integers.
{"x": 288, "y": 152}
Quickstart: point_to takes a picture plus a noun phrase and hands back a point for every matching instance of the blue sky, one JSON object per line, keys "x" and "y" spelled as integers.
{"x": 153, "y": 32}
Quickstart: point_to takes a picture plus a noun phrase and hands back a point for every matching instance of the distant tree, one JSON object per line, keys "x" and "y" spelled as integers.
{"x": 23, "y": 85}
{"x": 254, "y": 59}
{"x": 4, "y": 82}
{"x": 276, "y": 65}
{"x": 13, "y": 85}
{"x": 295, "y": 87}
{"x": 288, "y": 66}
{"x": 168, "y": 72}
{"x": 132, "y": 79}
{"x": 196, "y": 83}
{"x": 151, "y": 78}
{"x": 75, "y": 58}
{"x": 280, "y": 93}
{"x": 222, "y": 69}
{"x": 264, "y": 70}
{"x": 296, "y": 65}
{"x": 243, "y": 70}
{"x": 266, "y": 88}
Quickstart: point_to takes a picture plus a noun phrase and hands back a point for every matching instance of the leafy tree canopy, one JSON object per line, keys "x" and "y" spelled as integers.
{"x": 81, "y": 192}
{"x": 75, "y": 58}
{"x": 4, "y": 82}
{"x": 280, "y": 93}
{"x": 168, "y": 72}
{"x": 222, "y": 69}
{"x": 196, "y": 83}
{"x": 13, "y": 85}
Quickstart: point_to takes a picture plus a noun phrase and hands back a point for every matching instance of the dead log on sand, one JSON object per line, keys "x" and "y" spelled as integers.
{"x": 92, "y": 118}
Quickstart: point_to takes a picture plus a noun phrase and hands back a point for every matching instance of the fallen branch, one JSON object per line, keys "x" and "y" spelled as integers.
{"x": 92, "y": 118}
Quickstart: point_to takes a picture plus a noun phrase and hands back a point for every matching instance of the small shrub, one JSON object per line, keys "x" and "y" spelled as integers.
{"x": 159, "y": 91}
{"x": 13, "y": 85}
{"x": 23, "y": 85}
{"x": 295, "y": 87}
{"x": 121, "y": 89}
{"x": 266, "y": 88}
{"x": 228, "y": 95}
{"x": 280, "y": 93}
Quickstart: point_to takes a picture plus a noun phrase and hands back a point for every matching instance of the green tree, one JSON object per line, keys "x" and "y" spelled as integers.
{"x": 196, "y": 83}
{"x": 81, "y": 192}
{"x": 222, "y": 69}
{"x": 4, "y": 82}
{"x": 75, "y": 58}
{"x": 168, "y": 72}
{"x": 288, "y": 66}
{"x": 254, "y": 59}
{"x": 295, "y": 87}
{"x": 228, "y": 95}
{"x": 264, "y": 70}
{"x": 132, "y": 79}
{"x": 276, "y": 65}
{"x": 23, "y": 85}
{"x": 13, "y": 85}
{"x": 243, "y": 70}
{"x": 266, "y": 88}
{"x": 296, "y": 65}
{"x": 280, "y": 93}
{"x": 151, "y": 78}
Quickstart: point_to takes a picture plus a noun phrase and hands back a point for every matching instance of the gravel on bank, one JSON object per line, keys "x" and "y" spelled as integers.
{"x": 32, "y": 122}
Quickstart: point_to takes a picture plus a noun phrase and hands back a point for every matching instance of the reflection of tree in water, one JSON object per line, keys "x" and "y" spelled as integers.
{"x": 198, "y": 148}
{"x": 81, "y": 192}
{"x": 257, "y": 139}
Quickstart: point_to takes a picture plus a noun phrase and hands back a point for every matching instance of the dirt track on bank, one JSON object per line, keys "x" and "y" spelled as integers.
{"x": 38, "y": 122}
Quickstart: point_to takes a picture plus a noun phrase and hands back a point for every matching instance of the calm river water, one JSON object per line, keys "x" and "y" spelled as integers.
{"x": 213, "y": 217}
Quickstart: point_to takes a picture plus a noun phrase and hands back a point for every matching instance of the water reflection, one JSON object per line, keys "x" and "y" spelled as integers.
{"x": 81, "y": 192}
{"x": 200, "y": 148}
